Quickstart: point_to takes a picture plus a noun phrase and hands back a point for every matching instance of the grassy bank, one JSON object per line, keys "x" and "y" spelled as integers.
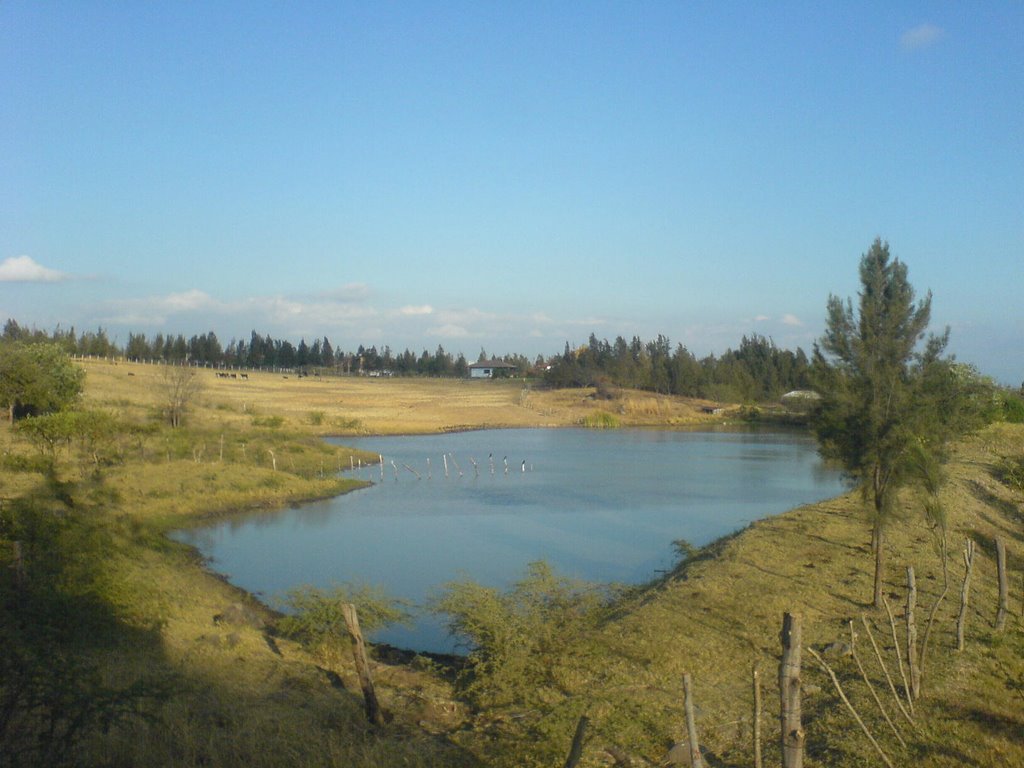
{"x": 117, "y": 605}
{"x": 719, "y": 615}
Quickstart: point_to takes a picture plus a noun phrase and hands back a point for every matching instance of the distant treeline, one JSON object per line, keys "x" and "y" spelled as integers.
{"x": 757, "y": 371}
{"x": 258, "y": 352}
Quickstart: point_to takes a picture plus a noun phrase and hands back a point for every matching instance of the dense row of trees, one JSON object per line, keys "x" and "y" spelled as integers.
{"x": 259, "y": 351}
{"x": 757, "y": 371}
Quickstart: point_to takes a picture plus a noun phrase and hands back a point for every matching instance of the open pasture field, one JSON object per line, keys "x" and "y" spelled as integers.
{"x": 365, "y": 405}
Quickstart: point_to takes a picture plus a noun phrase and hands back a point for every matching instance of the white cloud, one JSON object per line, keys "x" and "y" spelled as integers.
{"x": 791, "y": 320}
{"x": 425, "y": 309}
{"x": 921, "y": 36}
{"x": 187, "y": 301}
{"x": 451, "y": 331}
{"x": 761, "y": 318}
{"x": 24, "y": 269}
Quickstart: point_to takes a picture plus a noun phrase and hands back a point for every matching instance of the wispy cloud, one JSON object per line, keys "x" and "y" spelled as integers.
{"x": 347, "y": 316}
{"x": 425, "y": 309}
{"x": 24, "y": 269}
{"x": 921, "y": 36}
{"x": 792, "y": 320}
{"x": 347, "y": 294}
{"x": 280, "y": 311}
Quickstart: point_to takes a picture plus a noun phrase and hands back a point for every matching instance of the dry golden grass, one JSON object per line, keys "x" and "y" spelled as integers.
{"x": 363, "y": 405}
{"x": 238, "y": 701}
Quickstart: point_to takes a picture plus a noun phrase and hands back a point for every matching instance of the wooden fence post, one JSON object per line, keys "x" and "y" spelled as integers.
{"x": 757, "y": 716}
{"x": 374, "y": 713}
{"x": 691, "y": 723}
{"x": 576, "y": 751}
{"x": 1004, "y": 586}
{"x": 19, "y": 565}
{"x": 912, "y": 662}
{"x": 793, "y": 735}
{"x": 965, "y": 589}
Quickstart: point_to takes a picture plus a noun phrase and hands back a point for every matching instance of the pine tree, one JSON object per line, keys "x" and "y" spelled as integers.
{"x": 875, "y": 388}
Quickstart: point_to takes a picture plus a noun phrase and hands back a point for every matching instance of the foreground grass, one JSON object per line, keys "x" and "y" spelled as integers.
{"x": 227, "y": 691}
{"x": 719, "y": 615}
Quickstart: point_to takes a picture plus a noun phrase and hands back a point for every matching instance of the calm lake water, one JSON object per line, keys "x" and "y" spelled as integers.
{"x": 602, "y": 505}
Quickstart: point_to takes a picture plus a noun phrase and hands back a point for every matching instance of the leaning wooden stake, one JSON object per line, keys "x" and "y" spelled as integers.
{"x": 885, "y": 669}
{"x": 871, "y": 688}
{"x": 935, "y": 606}
{"x": 899, "y": 655}
{"x": 1004, "y": 586}
{"x": 576, "y": 751}
{"x": 793, "y": 735}
{"x": 965, "y": 590}
{"x": 911, "y": 622}
{"x": 846, "y": 701}
{"x": 757, "y": 716}
{"x": 691, "y": 723}
{"x": 374, "y": 713}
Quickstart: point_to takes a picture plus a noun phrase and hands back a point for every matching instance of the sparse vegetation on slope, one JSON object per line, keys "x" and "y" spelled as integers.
{"x": 122, "y": 649}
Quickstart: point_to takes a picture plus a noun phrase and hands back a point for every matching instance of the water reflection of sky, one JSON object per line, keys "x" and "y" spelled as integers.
{"x": 598, "y": 505}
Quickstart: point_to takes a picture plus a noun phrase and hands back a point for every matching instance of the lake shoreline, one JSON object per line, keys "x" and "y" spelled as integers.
{"x": 673, "y": 513}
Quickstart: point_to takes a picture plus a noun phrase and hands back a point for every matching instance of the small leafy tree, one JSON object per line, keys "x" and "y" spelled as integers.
{"x": 37, "y": 378}
{"x": 885, "y": 398}
{"x": 315, "y": 617}
{"x": 517, "y": 636}
{"x": 181, "y": 386}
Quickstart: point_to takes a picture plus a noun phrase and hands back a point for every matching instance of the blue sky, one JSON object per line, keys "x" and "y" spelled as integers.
{"x": 509, "y": 176}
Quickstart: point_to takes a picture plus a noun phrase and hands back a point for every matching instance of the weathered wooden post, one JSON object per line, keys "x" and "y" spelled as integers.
{"x": 381, "y": 457}
{"x": 19, "y": 565}
{"x": 576, "y": 751}
{"x": 915, "y": 668}
{"x": 374, "y": 713}
{"x": 793, "y": 735}
{"x": 691, "y": 724}
{"x": 1004, "y": 586}
{"x": 965, "y": 589}
{"x": 273, "y": 459}
{"x": 429, "y": 475}
{"x": 757, "y": 716}
{"x": 445, "y": 457}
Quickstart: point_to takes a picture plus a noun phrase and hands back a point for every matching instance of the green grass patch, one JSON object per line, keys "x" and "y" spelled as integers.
{"x": 600, "y": 420}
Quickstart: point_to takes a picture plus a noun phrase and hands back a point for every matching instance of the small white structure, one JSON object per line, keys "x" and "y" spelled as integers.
{"x": 801, "y": 400}
{"x": 487, "y": 369}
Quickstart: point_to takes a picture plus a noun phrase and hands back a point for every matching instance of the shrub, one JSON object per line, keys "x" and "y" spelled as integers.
{"x": 514, "y": 635}
{"x": 600, "y": 420}
{"x": 1013, "y": 409}
{"x": 271, "y": 422}
{"x": 315, "y": 618}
